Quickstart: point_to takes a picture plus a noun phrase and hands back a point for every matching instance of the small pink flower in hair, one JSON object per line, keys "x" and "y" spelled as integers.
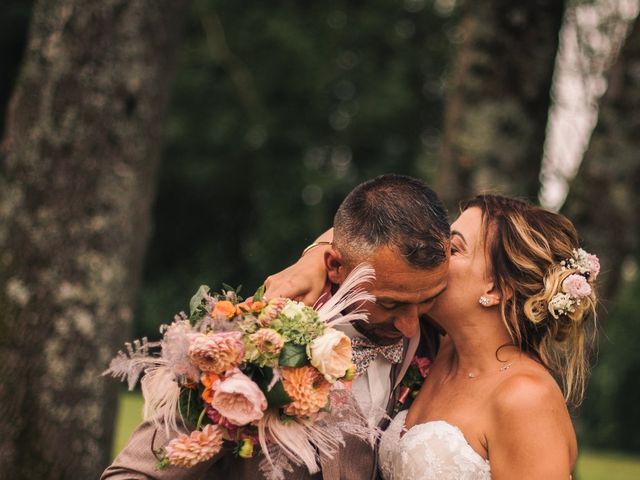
{"x": 576, "y": 286}
{"x": 593, "y": 264}
{"x": 584, "y": 262}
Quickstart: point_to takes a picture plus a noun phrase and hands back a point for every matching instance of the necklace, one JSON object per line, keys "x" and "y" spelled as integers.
{"x": 503, "y": 368}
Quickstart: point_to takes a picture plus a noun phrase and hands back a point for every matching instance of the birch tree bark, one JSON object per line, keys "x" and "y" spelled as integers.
{"x": 603, "y": 199}
{"x": 498, "y": 98}
{"x": 77, "y": 178}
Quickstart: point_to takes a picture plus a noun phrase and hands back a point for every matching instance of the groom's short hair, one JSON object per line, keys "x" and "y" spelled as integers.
{"x": 394, "y": 211}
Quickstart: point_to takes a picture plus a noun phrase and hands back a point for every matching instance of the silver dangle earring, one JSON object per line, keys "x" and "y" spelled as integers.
{"x": 484, "y": 301}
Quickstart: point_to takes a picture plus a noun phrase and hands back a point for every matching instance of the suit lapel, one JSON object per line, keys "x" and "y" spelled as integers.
{"x": 331, "y": 466}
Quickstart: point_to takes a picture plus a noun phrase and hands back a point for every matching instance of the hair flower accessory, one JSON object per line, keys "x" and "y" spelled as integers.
{"x": 575, "y": 286}
{"x": 583, "y": 262}
{"x": 254, "y": 373}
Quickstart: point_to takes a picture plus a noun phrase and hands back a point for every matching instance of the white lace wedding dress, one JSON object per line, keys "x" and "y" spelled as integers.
{"x": 429, "y": 451}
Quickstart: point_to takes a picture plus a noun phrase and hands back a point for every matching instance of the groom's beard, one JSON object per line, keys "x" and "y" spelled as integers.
{"x": 378, "y": 334}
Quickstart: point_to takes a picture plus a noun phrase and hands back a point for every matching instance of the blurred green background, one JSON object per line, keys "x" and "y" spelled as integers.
{"x": 278, "y": 110}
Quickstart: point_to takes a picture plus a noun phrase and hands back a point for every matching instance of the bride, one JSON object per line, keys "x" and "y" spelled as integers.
{"x": 516, "y": 314}
{"x": 517, "y": 319}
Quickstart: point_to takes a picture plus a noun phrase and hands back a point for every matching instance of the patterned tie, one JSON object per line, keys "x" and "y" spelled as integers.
{"x": 365, "y": 352}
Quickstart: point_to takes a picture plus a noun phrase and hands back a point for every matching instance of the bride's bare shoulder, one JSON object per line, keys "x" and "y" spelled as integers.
{"x": 529, "y": 416}
{"x": 530, "y": 402}
{"x": 528, "y": 386}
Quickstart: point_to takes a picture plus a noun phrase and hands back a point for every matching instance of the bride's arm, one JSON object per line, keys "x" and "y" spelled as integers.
{"x": 305, "y": 279}
{"x": 531, "y": 435}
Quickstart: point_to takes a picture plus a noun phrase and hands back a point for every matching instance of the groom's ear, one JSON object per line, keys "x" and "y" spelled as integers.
{"x": 335, "y": 266}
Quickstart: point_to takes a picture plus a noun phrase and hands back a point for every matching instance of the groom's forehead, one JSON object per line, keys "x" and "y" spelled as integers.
{"x": 410, "y": 284}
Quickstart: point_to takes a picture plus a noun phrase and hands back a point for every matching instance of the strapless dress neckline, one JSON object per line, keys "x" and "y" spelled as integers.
{"x": 434, "y": 450}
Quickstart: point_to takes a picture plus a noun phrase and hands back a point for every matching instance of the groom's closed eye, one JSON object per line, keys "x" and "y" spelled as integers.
{"x": 389, "y": 304}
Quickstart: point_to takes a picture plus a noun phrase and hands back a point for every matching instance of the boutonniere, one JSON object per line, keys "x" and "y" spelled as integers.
{"x": 412, "y": 381}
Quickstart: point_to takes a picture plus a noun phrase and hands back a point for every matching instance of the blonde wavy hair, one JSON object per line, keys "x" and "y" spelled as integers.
{"x": 525, "y": 247}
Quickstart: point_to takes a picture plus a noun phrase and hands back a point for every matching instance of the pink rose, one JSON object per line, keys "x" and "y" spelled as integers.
{"x": 593, "y": 264}
{"x": 217, "y": 353}
{"x": 576, "y": 286}
{"x": 239, "y": 399}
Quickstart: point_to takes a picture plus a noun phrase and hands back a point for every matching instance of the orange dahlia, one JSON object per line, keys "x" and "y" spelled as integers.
{"x": 307, "y": 388}
{"x": 201, "y": 445}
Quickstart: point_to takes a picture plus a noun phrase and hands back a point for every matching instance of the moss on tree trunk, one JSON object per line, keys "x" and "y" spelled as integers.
{"x": 77, "y": 180}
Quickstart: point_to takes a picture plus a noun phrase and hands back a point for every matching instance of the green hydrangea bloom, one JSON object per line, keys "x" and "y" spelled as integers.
{"x": 298, "y": 323}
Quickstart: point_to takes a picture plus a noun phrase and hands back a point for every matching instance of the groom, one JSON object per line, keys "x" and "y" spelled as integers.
{"x": 399, "y": 226}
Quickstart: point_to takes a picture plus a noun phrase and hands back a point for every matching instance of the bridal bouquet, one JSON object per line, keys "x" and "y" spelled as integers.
{"x": 252, "y": 373}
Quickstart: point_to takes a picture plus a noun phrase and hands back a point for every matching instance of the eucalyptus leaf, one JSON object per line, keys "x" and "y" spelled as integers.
{"x": 198, "y": 298}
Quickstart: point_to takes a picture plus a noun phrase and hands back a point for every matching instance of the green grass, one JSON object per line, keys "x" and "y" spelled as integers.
{"x": 591, "y": 465}
{"x": 129, "y": 416}
{"x": 607, "y": 466}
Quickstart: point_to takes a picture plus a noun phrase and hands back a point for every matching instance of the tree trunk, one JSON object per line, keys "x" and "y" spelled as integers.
{"x": 603, "y": 199}
{"x": 498, "y": 100}
{"x": 77, "y": 179}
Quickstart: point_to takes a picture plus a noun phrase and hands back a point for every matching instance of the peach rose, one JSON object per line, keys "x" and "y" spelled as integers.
{"x": 224, "y": 308}
{"x": 239, "y": 399}
{"x": 330, "y": 353}
{"x": 217, "y": 353}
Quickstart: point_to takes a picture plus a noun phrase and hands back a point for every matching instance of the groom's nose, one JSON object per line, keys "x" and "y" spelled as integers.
{"x": 408, "y": 323}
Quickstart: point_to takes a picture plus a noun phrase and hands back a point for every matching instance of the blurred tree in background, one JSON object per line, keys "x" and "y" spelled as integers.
{"x": 604, "y": 203}
{"x": 499, "y": 98}
{"x": 80, "y": 151}
{"x": 278, "y": 110}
